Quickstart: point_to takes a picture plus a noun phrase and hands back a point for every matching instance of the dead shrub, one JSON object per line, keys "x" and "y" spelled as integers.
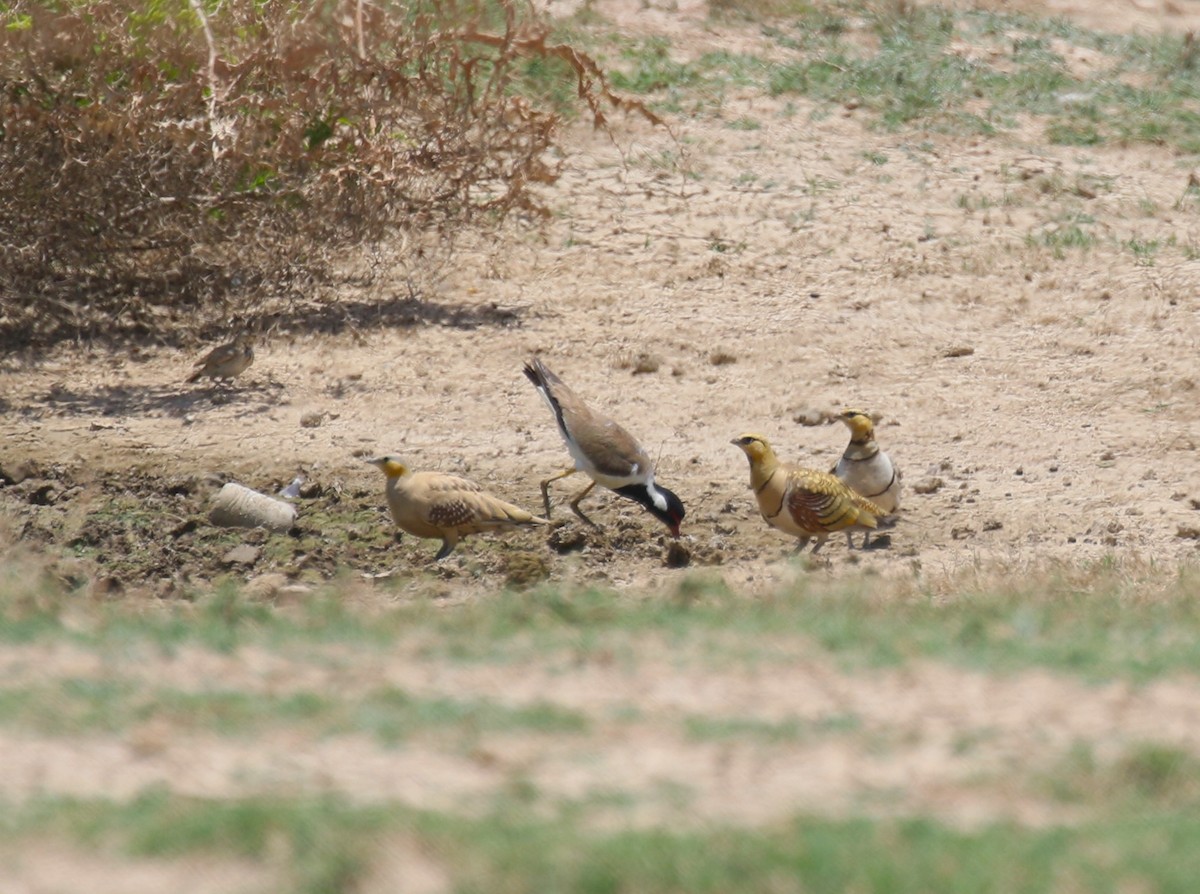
{"x": 167, "y": 165}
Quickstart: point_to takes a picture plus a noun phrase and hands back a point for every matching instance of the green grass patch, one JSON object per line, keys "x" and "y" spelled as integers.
{"x": 1100, "y": 622}
{"x": 107, "y": 705}
{"x": 1071, "y": 233}
{"x": 939, "y": 69}
{"x": 1148, "y": 776}
{"x": 755, "y": 729}
{"x": 327, "y": 844}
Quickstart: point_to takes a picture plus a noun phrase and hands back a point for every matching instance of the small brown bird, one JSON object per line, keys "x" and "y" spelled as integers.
{"x": 604, "y": 450}
{"x": 803, "y": 502}
{"x": 866, "y": 468}
{"x": 227, "y": 360}
{"x": 431, "y": 504}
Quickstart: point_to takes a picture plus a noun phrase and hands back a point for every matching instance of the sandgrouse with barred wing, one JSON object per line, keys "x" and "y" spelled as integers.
{"x": 436, "y": 505}
{"x": 602, "y": 449}
{"x": 866, "y": 468}
{"x": 803, "y": 502}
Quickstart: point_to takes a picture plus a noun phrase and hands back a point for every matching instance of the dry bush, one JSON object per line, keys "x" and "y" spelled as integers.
{"x": 166, "y": 165}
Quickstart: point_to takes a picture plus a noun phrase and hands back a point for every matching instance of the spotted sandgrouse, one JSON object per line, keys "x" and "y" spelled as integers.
{"x": 432, "y": 504}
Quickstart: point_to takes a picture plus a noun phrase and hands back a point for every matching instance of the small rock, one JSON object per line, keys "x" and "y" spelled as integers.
{"x": 644, "y": 363}
{"x": 108, "y": 585}
{"x": 263, "y": 586}
{"x": 525, "y": 567}
{"x": 810, "y": 416}
{"x": 184, "y": 527}
{"x": 962, "y": 532}
{"x": 181, "y": 485}
{"x": 958, "y": 351}
{"x": 242, "y": 555}
{"x": 566, "y": 539}
{"x": 1107, "y": 456}
{"x": 1188, "y": 532}
{"x": 292, "y": 594}
{"x": 18, "y": 472}
{"x": 310, "y": 490}
{"x": 721, "y": 358}
{"x": 313, "y": 419}
{"x": 930, "y": 485}
{"x": 992, "y": 525}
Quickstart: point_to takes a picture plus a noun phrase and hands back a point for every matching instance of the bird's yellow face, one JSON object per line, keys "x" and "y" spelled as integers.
{"x": 754, "y": 446}
{"x": 390, "y": 465}
{"x": 860, "y": 424}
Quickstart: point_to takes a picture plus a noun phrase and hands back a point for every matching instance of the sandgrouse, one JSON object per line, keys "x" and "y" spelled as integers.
{"x": 803, "y": 502}
{"x": 866, "y": 468}
{"x": 227, "y": 360}
{"x": 602, "y": 449}
{"x": 432, "y": 504}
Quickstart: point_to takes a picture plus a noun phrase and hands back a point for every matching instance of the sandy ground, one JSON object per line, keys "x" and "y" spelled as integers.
{"x": 697, "y": 285}
{"x": 720, "y": 280}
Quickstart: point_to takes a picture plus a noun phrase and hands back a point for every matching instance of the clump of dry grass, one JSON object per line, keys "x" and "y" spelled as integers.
{"x": 175, "y": 162}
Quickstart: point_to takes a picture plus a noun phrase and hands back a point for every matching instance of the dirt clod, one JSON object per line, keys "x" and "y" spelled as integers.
{"x": 242, "y": 555}
{"x": 930, "y": 485}
{"x": 678, "y": 555}
{"x": 810, "y": 416}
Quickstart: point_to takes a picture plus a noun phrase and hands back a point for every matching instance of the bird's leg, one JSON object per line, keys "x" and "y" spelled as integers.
{"x": 801, "y": 542}
{"x": 546, "y": 487}
{"x": 850, "y": 541}
{"x": 578, "y": 498}
{"x": 816, "y": 546}
{"x": 449, "y": 541}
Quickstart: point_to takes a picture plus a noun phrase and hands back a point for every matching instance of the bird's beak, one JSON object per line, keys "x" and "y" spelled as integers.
{"x": 675, "y": 531}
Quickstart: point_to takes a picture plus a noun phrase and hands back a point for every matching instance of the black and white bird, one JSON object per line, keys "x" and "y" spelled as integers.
{"x": 866, "y": 468}
{"x": 602, "y": 449}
